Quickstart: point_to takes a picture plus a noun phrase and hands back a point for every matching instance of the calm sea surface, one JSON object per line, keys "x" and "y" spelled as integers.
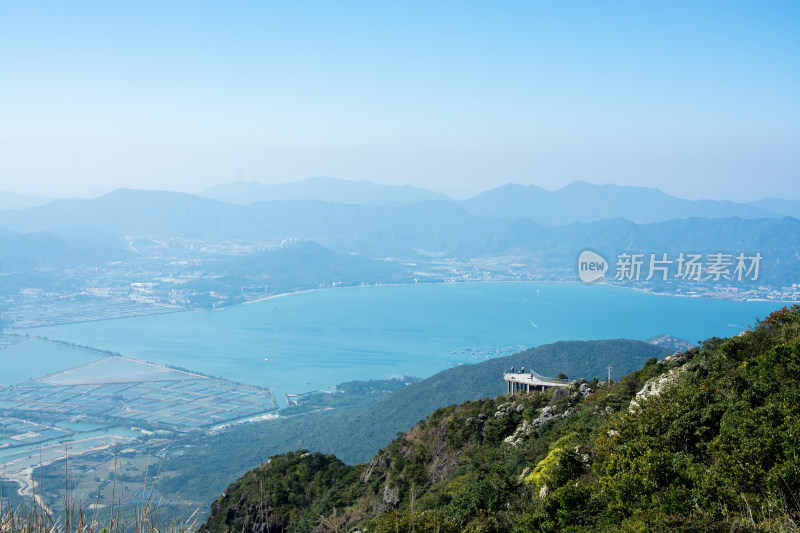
{"x": 317, "y": 339}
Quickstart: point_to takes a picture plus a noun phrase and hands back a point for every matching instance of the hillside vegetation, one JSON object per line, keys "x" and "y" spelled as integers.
{"x": 702, "y": 441}
{"x": 355, "y": 434}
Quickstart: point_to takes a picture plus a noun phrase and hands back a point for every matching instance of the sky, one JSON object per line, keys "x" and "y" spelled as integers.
{"x": 698, "y": 98}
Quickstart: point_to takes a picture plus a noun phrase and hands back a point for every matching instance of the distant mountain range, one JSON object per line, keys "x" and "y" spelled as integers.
{"x": 585, "y": 202}
{"x": 789, "y": 208}
{"x": 577, "y": 202}
{"x": 439, "y": 227}
{"x": 417, "y": 230}
{"x": 327, "y": 189}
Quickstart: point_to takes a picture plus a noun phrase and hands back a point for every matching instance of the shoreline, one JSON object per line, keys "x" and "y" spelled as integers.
{"x": 644, "y": 290}
{"x": 13, "y": 331}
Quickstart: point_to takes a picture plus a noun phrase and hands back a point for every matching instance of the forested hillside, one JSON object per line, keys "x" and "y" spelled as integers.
{"x": 701, "y": 441}
{"x": 355, "y": 434}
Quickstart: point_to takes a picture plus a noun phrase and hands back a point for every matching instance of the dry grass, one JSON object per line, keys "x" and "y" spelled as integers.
{"x": 145, "y": 518}
{"x": 36, "y": 519}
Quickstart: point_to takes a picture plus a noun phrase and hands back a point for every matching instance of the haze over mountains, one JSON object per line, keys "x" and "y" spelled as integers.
{"x": 15, "y": 200}
{"x": 322, "y": 188}
{"x": 779, "y": 205}
{"x": 585, "y": 202}
{"x": 508, "y": 221}
{"x": 577, "y": 202}
{"x": 439, "y": 227}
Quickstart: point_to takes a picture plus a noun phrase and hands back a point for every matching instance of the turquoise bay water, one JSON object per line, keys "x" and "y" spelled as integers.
{"x": 318, "y": 339}
{"x": 15, "y": 360}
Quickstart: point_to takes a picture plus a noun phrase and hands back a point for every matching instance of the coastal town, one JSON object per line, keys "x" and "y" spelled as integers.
{"x": 179, "y": 274}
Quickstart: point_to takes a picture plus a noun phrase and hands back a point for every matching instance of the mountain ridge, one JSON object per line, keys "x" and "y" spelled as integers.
{"x": 355, "y": 435}
{"x": 443, "y": 228}
{"x": 137, "y": 212}
{"x": 361, "y": 192}
{"x": 578, "y": 201}
{"x": 581, "y": 201}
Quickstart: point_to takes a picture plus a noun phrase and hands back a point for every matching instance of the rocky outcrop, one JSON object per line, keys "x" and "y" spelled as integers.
{"x": 378, "y": 463}
{"x": 506, "y": 409}
{"x": 676, "y": 359}
{"x": 527, "y": 427}
{"x": 391, "y": 496}
{"x": 655, "y": 387}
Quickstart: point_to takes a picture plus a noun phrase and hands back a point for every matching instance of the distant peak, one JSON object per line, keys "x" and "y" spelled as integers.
{"x": 124, "y": 191}
{"x": 516, "y": 187}
{"x": 581, "y": 184}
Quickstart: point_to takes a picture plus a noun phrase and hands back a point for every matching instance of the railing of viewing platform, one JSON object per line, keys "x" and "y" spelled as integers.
{"x": 540, "y": 377}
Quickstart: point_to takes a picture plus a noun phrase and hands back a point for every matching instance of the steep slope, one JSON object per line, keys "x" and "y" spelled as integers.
{"x": 405, "y": 407}
{"x": 355, "y": 435}
{"x": 701, "y": 441}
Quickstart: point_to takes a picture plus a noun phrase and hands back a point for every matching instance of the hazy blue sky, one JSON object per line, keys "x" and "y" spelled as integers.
{"x": 698, "y": 98}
